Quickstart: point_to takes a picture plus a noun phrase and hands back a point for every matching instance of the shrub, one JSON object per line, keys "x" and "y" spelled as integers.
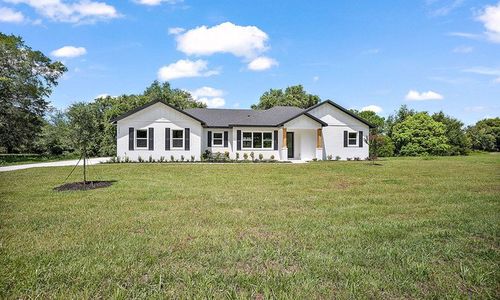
{"x": 162, "y": 159}
{"x": 118, "y": 159}
{"x": 315, "y": 159}
{"x": 150, "y": 159}
{"x": 272, "y": 157}
{"x": 337, "y": 157}
{"x": 172, "y": 159}
{"x": 237, "y": 155}
{"x": 261, "y": 156}
{"x": 182, "y": 157}
{"x": 207, "y": 155}
{"x": 357, "y": 158}
{"x": 245, "y": 156}
{"x": 139, "y": 159}
{"x": 349, "y": 158}
{"x": 329, "y": 157}
{"x": 252, "y": 155}
{"x": 192, "y": 158}
{"x": 112, "y": 159}
{"x": 226, "y": 154}
{"x": 127, "y": 159}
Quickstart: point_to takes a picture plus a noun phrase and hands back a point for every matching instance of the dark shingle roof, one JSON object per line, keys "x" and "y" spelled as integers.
{"x": 214, "y": 117}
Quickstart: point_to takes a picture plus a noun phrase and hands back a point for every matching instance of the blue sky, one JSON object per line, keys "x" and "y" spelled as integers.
{"x": 429, "y": 54}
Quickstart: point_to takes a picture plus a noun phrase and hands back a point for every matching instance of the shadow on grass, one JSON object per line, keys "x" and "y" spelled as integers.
{"x": 83, "y": 186}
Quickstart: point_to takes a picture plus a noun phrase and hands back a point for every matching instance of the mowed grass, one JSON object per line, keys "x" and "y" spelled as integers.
{"x": 409, "y": 228}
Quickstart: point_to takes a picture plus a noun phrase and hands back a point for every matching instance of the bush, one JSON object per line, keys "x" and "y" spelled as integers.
{"x": 349, "y": 158}
{"x": 315, "y": 159}
{"x": 139, "y": 159}
{"x": 261, "y": 156}
{"x": 207, "y": 155}
{"x": 357, "y": 158}
{"x": 182, "y": 157}
{"x": 329, "y": 157}
{"x": 337, "y": 157}
{"x": 127, "y": 159}
{"x": 272, "y": 157}
{"x": 245, "y": 156}
{"x": 192, "y": 158}
{"x": 237, "y": 155}
{"x": 150, "y": 159}
{"x": 252, "y": 155}
{"x": 226, "y": 154}
{"x": 172, "y": 159}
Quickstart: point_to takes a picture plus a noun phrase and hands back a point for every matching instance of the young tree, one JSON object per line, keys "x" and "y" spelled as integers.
{"x": 26, "y": 80}
{"x": 53, "y": 139}
{"x": 419, "y": 135}
{"x": 292, "y": 96}
{"x": 457, "y": 139}
{"x": 84, "y": 130}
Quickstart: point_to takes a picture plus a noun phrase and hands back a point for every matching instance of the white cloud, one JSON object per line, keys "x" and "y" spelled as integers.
{"x": 374, "y": 108}
{"x": 155, "y": 2}
{"x": 429, "y": 95}
{"x": 104, "y": 96}
{"x": 467, "y": 35}
{"x": 176, "y": 30}
{"x": 185, "y": 68}
{"x": 490, "y": 17}
{"x": 210, "y": 96}
{"x": 483, "y": 71}
{"x": 315, "y": 78}
{"x": 371, "y": 51}
{"x": 463, "y": 49}
{"x": 475, "y": 109}
{"x": 10, "y": 16}
{"x": 447, "y": 7}
{"x": 69, "y": 51}
{"x": 262, "y": 63}
{"x": 83, "y": 11}
{"x": 497, "y": 80}
{"x": 241, "y": 41}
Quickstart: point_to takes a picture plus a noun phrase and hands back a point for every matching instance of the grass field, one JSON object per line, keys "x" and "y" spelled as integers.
{"x": 409, "y": 228}
{"x": 21, "y": 159}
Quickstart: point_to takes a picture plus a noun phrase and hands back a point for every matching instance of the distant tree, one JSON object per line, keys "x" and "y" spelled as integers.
{"x": 292, "y": 96}
{"x": 372, "y": 118}
{"x": 419, "y": 135}
{"x": 485, "y": 135}
{"x": 400, "y": 115}
{"x": 54, "y": 138}
{"x": 457, "y": 139}
{"x": 175, "y": 97}
{"x": 26, "y": 80}
{"x": 84, "y": 129}
{"x": 386, "y": 147}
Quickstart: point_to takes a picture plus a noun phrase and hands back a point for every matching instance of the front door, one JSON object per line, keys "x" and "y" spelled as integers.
{"x": 289, "y": 143}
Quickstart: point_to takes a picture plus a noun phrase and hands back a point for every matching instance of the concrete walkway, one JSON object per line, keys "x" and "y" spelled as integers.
{"x": 62, "y": 163}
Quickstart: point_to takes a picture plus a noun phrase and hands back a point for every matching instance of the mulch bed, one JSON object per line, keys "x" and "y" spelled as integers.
{"x": 80, "y": 186}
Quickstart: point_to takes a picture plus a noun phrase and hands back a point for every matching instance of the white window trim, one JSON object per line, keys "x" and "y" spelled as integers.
{"x": 147, "y": 138}
{"x": 222, "y": 139}
{"x": 260, "y": 149}
{"x": 357, "y": 139}
{"x": 172, "y": 139}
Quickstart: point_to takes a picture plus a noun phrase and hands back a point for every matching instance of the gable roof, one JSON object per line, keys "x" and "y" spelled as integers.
{"x": 342, "y": 109}
{"x": 221, "y": 117}
{"x": 133, "y": 111}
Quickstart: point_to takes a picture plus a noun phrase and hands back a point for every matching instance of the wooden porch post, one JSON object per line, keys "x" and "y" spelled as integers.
{"x": 284, "y": 138}
{"x": 319, "y": 138}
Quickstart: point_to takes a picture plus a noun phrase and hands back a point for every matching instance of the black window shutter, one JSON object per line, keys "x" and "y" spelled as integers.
{"x": 345, "y": 138}
{"x": 361, "y": 139}
{"x": 209, "y": 139}
{"x": 151, "y": 137}
{"x": 187, "y": 140}
{"x": 275, "y": 140}
{"x": 131, "y": 138}
{"x": 226, "y": 136}
{"x": 167, "y": 138}
{"x": 238, "y": 139}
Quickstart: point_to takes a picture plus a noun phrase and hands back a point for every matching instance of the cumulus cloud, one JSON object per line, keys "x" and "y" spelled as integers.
{"x": 210, "y": 96}
{"x": 241, "y": 41}
{"x": 83, "y": 11}
{"x": 429, "y": 95}
{"x": 374, "y": 108}
{"x": 69, "y": 52}
{"x": 490, "y": 17}
{"x": 262, "y": 63}
{"x": 155, "y": 2}
{"x": 10, "y": 16}
{"x": 185, "y": 68}
{"x": 176, "y": 30}
{"x": 315, "y": 78}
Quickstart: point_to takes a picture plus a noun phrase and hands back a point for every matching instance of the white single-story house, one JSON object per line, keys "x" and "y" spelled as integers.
{"x": 325, "y": 130}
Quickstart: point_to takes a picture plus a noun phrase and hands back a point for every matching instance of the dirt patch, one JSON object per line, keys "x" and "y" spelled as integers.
{"x": 81, "y": 186}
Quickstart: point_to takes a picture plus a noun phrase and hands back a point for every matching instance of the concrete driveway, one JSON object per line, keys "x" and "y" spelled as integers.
{"x": 62, "y": 163}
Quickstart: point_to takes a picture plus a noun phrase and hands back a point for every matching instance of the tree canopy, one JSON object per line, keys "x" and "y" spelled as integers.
{"x": 26, "y": 80}
{"x": 291, "y": 96}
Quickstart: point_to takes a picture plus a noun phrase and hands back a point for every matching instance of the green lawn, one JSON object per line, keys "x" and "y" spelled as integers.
{"x": 409, "y": 228}
{"x": 21, "y": 159}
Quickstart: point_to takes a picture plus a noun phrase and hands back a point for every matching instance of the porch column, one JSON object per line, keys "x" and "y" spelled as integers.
{"x": 319, "y": 144}
{"x": 284, "y": 148}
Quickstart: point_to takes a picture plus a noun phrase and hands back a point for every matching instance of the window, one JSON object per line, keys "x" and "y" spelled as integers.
{"x": 247, "y": 140}
{"x": 141, "y": 138}
{"x": 257, "y": 140}
{"x": 217, "y": 139}
{"x": 353, "y": 138}
{"x": 177, "y": 138}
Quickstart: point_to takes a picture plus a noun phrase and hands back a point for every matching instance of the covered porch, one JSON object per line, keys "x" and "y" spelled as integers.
{"x": 302, "y": 139}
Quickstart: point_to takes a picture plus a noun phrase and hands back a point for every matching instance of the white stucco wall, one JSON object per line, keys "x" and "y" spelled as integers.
{"x": 159, "y": 117}
{"x": 333, "y": 134}
{"x": 265, "y": 152}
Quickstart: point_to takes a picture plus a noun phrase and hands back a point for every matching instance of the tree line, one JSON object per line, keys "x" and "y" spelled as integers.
{"x": 28, "y": 124}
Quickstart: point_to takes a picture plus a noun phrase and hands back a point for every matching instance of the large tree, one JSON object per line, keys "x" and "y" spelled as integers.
{"x": 26, "y": 80}
{"x": 485, "y": 135}
{"x": 175, "y": 97}
{"x": 419, "y": 135}
{"x": 292, "y": 96}
{"x": 458, "y": 141}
